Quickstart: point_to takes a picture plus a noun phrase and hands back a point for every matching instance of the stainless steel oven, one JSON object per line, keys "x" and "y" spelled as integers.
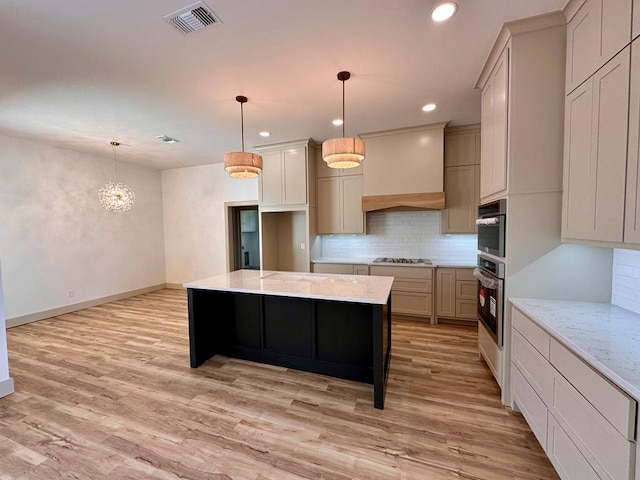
{"x": 491, "y": 224}
{"x": 490, "y": 275}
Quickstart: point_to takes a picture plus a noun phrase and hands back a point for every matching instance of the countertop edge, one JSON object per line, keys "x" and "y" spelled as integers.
{"x": 371, "y": 263}
{"x": 592, "y": 361}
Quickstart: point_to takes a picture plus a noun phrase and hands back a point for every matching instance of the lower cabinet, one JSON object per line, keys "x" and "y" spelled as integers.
{"x": 412, "y": 290}
{"x": 341, "y": 268}
{"x": 585, "y": 423}
{"x": 456, "y": 294}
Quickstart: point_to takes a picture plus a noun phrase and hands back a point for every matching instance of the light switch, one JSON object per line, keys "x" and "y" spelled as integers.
{"x": 302, "y": 246}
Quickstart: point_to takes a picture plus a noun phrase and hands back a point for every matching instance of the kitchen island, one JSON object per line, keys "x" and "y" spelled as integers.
{"x": 336, "y": 325}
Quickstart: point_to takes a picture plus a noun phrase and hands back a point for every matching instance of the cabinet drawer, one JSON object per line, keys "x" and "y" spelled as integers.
{"x": 531, "y": 405}
{"x": 532, "y": 332}
{"x": 410, "y": 303}
{"x": 609, "y": 453}
{"x": 467, "y": 309}
{"x": 412, "y": 285}
{"x": 466, "y": 290}
{"x": 533, "y": 366}
{"x": 565, "y": 456}
{"x": 465, "y": 274}
{"x": 341, "y": 268}
{"x": 615, "y": 405}
{"x": 402, "y": 272}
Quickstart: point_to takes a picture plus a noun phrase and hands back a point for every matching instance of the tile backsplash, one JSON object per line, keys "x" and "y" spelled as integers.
{"x": 402, "y": 234}
{"x": 625, "y": 288}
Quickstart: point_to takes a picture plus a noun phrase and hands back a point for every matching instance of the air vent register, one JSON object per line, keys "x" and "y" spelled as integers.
{"x": 192, "y": 18}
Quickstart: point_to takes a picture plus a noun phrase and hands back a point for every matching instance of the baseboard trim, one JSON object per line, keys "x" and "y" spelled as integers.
{"x": 34, "y": 317}
{"x": 177, "y": 286}
{"x": 6, "y": 387}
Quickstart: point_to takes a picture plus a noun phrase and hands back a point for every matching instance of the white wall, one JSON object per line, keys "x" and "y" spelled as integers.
{"x": 403, "y": 234}
{"x": 6, "y": 383}
{"x": 55, "y": 236}
{"x": 626, "y": 279}
{"x": 194, "y": 219}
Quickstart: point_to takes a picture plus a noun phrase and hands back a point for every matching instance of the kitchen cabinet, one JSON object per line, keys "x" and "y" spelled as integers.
{"x": 461, "y": 179}
{"x": 636, "y": 19}
{"x": 341, "y": 268}
{"x": 632, "y": 209}
{"x": 596, "y": 119}
{"x": 412, "y": 290}
{"x": 288, "y": 174}
{"x": 585, "y": 423}
{"x": 406, "y": 163}
{"x": 340, "y": 205}
{"x": 522, "y": 110}
{"x": 596, "y": 31}
{"x": 456, "y": 295}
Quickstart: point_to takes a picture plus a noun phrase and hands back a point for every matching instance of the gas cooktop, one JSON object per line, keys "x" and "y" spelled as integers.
{"x": 424, "y": 261}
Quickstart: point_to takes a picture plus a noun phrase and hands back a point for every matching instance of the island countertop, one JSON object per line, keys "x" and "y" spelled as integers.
{"x": 324, "y": 286}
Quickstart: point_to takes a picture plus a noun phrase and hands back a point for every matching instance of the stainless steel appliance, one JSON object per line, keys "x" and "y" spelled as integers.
{"x": 396, "y": 260}
{"x": 491, "y": 224}
{"x": 490, "y": 275}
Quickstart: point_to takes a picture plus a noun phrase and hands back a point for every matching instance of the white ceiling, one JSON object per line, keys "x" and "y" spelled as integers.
{"x": 80, "y": 73}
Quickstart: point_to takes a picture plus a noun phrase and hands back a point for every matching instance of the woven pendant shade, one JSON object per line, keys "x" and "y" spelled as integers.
{"x": 343, "y": 152}
{"x": 243, "y": 164}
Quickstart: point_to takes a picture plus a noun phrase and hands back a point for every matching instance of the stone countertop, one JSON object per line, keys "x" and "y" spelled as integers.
{"x": 322, "y": 286}
{"x": 605, "y": 336}
{"x": 370, "y": 262}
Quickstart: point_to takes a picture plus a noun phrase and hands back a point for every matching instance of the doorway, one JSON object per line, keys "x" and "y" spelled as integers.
{"x": 245, "y": 237}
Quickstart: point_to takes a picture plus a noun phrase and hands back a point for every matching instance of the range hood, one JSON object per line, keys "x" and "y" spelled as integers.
{"x": 403, "y": 202}
{"x": 404, "y": 169}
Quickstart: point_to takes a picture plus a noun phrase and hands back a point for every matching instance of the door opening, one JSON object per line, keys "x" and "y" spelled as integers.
{"x": 246, "y": 237}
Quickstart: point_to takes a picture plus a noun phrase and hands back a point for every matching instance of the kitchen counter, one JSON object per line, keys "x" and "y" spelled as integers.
{"x": 332, "y": 324}
{"x": 605, "y": 336}
{"x": 369, "y": 261}
{"x": 325, "y": 286}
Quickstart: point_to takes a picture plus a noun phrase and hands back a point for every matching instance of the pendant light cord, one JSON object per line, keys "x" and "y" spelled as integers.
{"x": 343, "y": 119}
{"x": 242, "y": 123}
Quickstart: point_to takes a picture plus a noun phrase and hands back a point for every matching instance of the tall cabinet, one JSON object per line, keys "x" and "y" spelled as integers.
{"x": 287, "y": 206}
{"x": 521, "y": 161}
{"x": 600, "y": 203}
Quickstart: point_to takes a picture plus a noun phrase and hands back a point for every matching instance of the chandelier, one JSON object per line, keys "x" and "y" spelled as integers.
{"x": 242, "y": 164}
{"x": 343, "y": 152}
{"x": 116, "y": 196}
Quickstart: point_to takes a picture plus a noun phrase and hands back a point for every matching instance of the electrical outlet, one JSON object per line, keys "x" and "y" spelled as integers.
{"x": 302, "y": 246}
{"x": 70, "y": 293}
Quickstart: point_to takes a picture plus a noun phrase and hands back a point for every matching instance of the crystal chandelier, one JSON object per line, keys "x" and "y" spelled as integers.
{"x": 242, "y": 164}
{"x": 345, "y": 152}
{"x": 116, "y": 196}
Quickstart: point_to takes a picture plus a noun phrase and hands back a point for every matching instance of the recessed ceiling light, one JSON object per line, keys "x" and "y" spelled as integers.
{"x": 429, "y": 107}
{"x": 444, "y": 11}
{"x": 264, "y": 133}
{"x": 337, "y": 122}
{"x": 167, "y": 139}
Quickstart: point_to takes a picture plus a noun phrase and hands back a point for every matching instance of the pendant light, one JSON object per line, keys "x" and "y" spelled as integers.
{"x": 242, "y": 164}
{"x": 343, "y": 152}
{"x": 116, "y": 196}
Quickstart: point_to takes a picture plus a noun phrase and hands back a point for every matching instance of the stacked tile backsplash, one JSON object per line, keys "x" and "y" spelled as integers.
{"x": 402, "y": 234}
{"x": 625, "y": 288}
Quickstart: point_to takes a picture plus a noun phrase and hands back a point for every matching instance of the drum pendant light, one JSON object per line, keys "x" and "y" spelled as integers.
{"x": 345, "y": 152}
{"x": 242, "y": 164}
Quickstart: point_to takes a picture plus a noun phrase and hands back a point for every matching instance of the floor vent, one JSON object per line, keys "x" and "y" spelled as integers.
{"x": 193, "y": 18}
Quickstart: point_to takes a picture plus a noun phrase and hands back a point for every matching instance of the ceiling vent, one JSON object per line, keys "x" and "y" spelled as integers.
{"x": 192, "y": 18}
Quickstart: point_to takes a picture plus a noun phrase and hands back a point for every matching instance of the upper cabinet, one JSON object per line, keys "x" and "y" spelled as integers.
{"x": 288, "y": 174}
{"x": 600, "y": 196}
{"x": 522, "y": 114}
{"x": 596, "y": 31}
{"x": 636, "y": 19}
{"x": 461, "y": 179}
{"x": 339, "y": 200}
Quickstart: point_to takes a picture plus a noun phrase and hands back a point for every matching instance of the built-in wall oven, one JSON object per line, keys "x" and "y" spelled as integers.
{"x": 491, "y": 224}
{"x": 490, "y": 275}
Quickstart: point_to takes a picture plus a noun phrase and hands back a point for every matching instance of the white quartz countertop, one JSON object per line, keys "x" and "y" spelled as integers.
{"x": 370, "y": 262}
{"x": 607, "y": 337}
{"x": 323, "y": 286}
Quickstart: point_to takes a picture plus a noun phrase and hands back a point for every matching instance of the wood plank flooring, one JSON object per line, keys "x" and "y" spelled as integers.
{"x": 107, "y": 393}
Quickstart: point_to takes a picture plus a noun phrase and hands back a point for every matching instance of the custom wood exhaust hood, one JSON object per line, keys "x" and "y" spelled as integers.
{"x": 404, "y": 169}
{"x": 402, "y": 202}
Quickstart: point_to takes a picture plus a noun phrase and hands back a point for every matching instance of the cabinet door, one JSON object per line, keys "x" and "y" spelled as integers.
{"x": 294, "y": 165}
{"x": 632, "y": 210}
{"x": 582, "y": 43}
{"x": 329, "y": 205}
{"x": 271, "y": 179}
{"x": 636, "y": 22}
{"x": 460, "y": 149}
{"x": 486, "y": 135}
{"x": 352, "y": 218}
{"x": 446, "y": 292}
{"x": 462, "y": 196}
{"x": 500, "y": 123}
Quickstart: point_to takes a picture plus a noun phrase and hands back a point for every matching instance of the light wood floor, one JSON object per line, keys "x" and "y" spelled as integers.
{"x": 107, "y": 392}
